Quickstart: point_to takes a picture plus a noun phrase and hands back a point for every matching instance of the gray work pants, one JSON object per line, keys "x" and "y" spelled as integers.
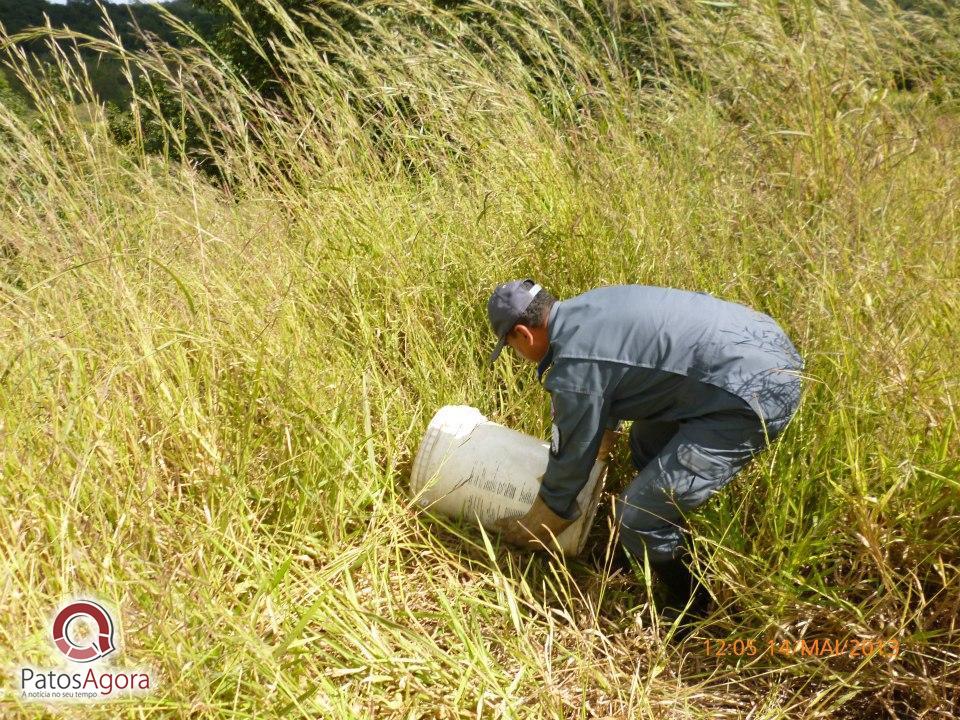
{"x": 682, "y": 464}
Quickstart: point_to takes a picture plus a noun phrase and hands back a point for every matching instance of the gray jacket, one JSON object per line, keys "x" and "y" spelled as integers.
{"x": 631, "y": 352}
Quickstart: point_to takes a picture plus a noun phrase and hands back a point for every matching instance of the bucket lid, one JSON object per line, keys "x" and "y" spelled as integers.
{"x": 454, "y": 421}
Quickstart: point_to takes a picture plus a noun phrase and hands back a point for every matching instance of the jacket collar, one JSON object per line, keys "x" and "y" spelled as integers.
{"x": 551, "y": 332}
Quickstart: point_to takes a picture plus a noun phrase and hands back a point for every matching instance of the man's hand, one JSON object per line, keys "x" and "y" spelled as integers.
{"x": 532, "y": 531}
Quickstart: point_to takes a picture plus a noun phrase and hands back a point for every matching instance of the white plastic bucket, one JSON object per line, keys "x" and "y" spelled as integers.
{"x": 468, "y": 466}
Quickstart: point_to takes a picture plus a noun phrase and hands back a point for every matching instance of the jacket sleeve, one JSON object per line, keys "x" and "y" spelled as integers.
{"x": 579, "y": 419}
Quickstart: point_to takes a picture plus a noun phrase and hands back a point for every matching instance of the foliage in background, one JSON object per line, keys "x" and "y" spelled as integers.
{"x": 272, "y": 22}
{"x": 211, "y": 390}
{"x": 11, "y": 99}
{"x": 86, "y": 17}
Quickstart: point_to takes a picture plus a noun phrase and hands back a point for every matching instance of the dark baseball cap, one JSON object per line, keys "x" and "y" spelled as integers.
{"x": 506, "y": 305}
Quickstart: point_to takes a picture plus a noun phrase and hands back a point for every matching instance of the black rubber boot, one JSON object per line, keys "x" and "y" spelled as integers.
{"x": 681, "y": 586}
{"x": 677, "y": 583}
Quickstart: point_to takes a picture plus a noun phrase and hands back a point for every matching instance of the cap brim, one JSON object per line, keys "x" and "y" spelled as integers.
{"x": 497, "y": 350}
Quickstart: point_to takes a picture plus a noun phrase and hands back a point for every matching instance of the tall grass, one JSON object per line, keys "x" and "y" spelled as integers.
{"x": 211, "y": 389}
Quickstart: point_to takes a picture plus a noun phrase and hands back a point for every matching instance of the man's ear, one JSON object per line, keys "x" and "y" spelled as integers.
{"x": 524, "y": 332}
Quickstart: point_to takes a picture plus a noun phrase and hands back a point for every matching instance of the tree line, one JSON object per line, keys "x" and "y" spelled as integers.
{"x": 85, "y": 16}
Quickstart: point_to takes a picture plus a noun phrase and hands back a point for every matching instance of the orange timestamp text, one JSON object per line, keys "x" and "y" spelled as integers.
{"x": 805, "y": 647}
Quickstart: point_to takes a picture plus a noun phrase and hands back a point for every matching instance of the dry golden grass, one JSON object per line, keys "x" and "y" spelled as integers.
{"x": 211, "y": 391}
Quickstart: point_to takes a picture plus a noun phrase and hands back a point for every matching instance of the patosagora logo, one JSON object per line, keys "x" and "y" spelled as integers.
{"x": 83, "y": 632}
{"x": 84, "y": 652}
